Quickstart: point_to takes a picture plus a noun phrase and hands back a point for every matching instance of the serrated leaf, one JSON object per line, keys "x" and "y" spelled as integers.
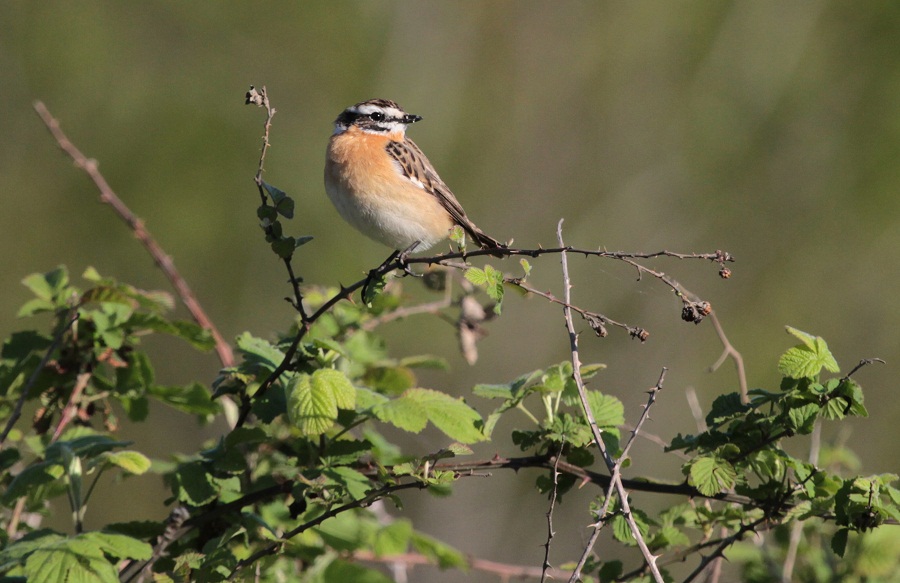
{"x": 405, "y": 414}
{"x": 339, "y": 385}
{"x": 802, "y": 419}
{"x": 314, "y": 400}
{"x": 452, "y": 416}
{"x": 622, "y": 530}
{"x": 311, "y": 408}
{"x": 608, "y": 411}
{"x": 356, "y": 484}
{"x": 808, "y": 359}
{"x": 476, "y": 276}
{"x": 119, "y": 545}
{"x": 710, "y": 475}
{"x": 260, "y": 352}
{"x": 808, "y": 339}
{"x": 82, "y": 558}
{"x": 725, "y": 407}
{"x": 193, "y": 484}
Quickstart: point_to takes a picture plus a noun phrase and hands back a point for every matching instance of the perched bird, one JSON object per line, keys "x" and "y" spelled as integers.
{"x": 382, "y": 184}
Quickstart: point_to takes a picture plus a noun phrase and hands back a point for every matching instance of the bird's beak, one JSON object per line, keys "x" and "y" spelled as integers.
{"x": 410, "y": 118}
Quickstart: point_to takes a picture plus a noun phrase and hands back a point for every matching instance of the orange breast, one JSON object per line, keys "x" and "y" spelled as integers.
{"x": 372, "y": 194}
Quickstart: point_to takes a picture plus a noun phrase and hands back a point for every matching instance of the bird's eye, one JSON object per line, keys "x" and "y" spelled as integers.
{"x": 377, "y": 116}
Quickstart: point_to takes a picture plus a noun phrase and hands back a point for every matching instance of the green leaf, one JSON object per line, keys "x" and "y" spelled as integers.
{"x": 193, "y": 399}
{"x": 314, "y": 400}
{"x": 31, "y": 478}
{"x": 356, "y": 484}
{"x": 452, "y": 416}
{"x": 340, "y": 571}
{"x": 808, "y": 339}
{"x": 608, "y": 411}
{"x": 476, "y": 276}
{"x": 284, "y": 204}
{"x": 132, "y": 462}
{"x": 83, "y": 558}
{"x": 403, "y": 413}
{"x": 258, "y": 352}
{"x": 284, "y": 246}
{"x": 393, "y": 539}
{"x": 458, "y": 236}
{"x": 444, "y": 555}
{"x": 839, "y": 542}
{"x": 622, "y": 530}
{"x": 47, "y": 286}
{"x": 119, "y": 545}
{"x": 710, "y": 475}
{"x": 526, "y": 267}
{"x": 494, "y": 287}
{"x": 803, "y": 419}
{"x": 190, "y": 332}
{"x": 192, "y": 483}
{"x": 311, "y": 409}
{"x": 808, "y": 359}
{"x": 725, "y": 407}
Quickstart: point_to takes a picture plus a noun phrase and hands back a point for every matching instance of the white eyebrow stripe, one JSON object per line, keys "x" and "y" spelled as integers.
{"x": 368, "y": 109}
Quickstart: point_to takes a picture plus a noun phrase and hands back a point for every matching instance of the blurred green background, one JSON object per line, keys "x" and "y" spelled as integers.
{"x": 768, "y": 129}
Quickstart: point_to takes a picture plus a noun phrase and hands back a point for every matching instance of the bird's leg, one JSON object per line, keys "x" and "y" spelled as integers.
{"x": 404, "y": 259}
{"x": 402, "y": 256}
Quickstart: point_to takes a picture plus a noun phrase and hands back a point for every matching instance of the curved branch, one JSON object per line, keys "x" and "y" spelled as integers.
{"x": 162, "y": 260}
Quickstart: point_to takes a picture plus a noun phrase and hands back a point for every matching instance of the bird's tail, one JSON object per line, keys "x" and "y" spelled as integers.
{"x": 483, "y": 240}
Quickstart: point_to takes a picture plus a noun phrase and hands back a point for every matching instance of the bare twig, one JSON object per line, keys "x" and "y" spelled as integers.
{"x": 545, "y": 569}
{"x": 696, "y": 410}
{"x": 614, "y": 467}
{"x": 730, "y": 351}
{"x": 163, "y": 261}
{"x": 17, "y": 411}
{"x": 862, "y": 363}
{"x": 797, "y": 528}
{"x": 503, "y": 570}
{"x": 404, "y": 312}
{"x": 72, "y": 406}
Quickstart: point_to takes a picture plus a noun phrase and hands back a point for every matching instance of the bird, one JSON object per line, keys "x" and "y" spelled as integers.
{"x": 384, "y": 185}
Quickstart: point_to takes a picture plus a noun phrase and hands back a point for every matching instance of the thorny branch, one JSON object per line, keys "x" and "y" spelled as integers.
{"x": 545, "y": 570}
{"x": 614, "y": 467}
{"x": 162, "y": 260}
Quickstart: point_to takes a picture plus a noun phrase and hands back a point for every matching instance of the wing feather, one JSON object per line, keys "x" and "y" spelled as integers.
{"x": 416, "y": 167}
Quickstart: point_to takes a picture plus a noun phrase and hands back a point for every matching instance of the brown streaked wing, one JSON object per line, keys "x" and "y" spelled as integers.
{"x": 416, "y": 167}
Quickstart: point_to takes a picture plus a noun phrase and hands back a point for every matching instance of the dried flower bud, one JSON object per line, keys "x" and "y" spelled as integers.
{"x": 724, "y": 273}
{"x": 597, "y": 325}
{"x": 639, "y": 333}
{"x": 253, "y": 96}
